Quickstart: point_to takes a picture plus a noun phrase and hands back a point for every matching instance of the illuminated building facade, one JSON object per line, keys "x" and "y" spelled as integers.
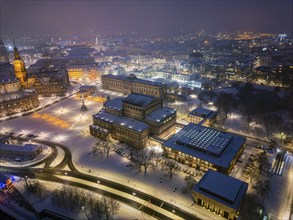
{"x": 133, "y": 119}
{"x": 85, "y": 91}
{"x": 13, "y": 99}
{"x": 205, "y": 148}
{"x": 45, "y": 80}
{"x": 5, "y": 182}
{"x": 131, "y": 84}
{"x": 202, "y": 116}
{"x": 49, "y": 81}
{"x": 19, "y": 67}
{"x": 220, "y": 194}
{"x": 84, "y": 71}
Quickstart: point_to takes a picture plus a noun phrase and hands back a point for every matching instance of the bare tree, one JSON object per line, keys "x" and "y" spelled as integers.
{"x": 224, "y": 104}
{"x": 78, "y": 200}
{"x": 170, "y": 167}
{"x": 271, "y": 122}
{"x": 190, "y": 181}
{"x": 97, "y": 149}
{"x": 107, "y": 147}
{"x": 36, "y": 188}
{"x": 144, "y": 159}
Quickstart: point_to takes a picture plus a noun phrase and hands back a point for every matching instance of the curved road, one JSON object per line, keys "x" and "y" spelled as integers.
{"x": 48, "y": 173}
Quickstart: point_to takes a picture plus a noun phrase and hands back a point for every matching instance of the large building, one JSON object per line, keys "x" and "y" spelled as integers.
{"x": 85, "y": 71}
{"x": 85, "y": 91}
{"x": 49, "y": 81}
{"x": 19, "y": 68}
{"x": 220, "y": 194}
{"x": 27, "y": 150}
{"x": 13, "y": 99}
{"x": 133, "y": 119}
{"x": 202, "y": 116}
{"x": 45, "y": 80}
{"x": 205, "y": 148}
{"x": 131, "y": 84}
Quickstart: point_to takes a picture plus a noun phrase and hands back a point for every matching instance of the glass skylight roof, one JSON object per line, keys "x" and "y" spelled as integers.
{"x": 205, "y": 139}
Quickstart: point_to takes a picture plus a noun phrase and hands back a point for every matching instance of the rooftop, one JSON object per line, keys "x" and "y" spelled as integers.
{"x": 122, "y": 121}
{"x": 133, "y": 79}
{"x": 203, "y": 112}
{"x": 138, "y": 99}
{"x": 115, "y": 104}
{"x": 216, "y": 147}
{"x": 205, "y": 139}
{"x": 24, "y": 148}
{"x": 227, "y": 190}
{"x": 160, "y": 114}
{"x": 86, "y": 88}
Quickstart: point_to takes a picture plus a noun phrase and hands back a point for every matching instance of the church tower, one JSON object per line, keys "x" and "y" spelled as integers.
{"x": 19, "y": 67}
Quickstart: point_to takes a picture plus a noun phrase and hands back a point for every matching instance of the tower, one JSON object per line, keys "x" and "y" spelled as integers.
{"x": 19, "y": 67}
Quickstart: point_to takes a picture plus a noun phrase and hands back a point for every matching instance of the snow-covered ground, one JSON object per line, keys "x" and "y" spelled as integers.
{"x": 40, "y": 204}
{"x": 45, "y": 101}
{"x": 77, "y": 138}
{"x": 280, "y": 197}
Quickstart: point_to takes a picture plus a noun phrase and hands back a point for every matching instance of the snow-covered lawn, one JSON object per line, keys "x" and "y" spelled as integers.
{"x": 124, "y": 212}
{"x": 77, "y": 138}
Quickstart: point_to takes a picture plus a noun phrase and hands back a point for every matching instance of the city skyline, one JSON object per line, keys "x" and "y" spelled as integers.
{"x": 146, "y": 109}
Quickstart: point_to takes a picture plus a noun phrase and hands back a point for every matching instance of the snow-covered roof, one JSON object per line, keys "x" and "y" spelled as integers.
{"x": 24, "y": 148}
{"x": 139, "y": 99}
{"x": 12, "y": 96}
{"x": 133, "y": 79}
{"x": 122, "y": 121}
{"x": 86, "y": 88}
{"x": 160, "y": 114}
{"x": 205, "y": 139}
{"x": 211, "y": 145}
{"x": 227, "y": 190}
{"x": 96, "y": 127}
{"x": 203, "y": 112}
{"x": 115, "y": 104}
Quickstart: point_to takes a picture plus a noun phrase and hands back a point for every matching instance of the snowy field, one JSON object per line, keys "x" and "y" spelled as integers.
{"x": 77, "y": 138}
{"x": 41, "y": 204}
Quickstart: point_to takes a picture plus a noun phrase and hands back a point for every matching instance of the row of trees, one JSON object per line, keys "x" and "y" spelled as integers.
{"x": 256, "y": 110}
{"x": 36, "y": 188}
{"x": 78, "y": 200}
{"x": 149, "y": 158}
{"x": 260, "y": 172}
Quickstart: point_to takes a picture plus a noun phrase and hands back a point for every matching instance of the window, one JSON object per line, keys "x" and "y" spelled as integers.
{"x": 199, "y": 202}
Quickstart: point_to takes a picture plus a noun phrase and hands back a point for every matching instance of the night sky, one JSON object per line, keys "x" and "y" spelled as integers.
{"x": 109, "y": 16}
